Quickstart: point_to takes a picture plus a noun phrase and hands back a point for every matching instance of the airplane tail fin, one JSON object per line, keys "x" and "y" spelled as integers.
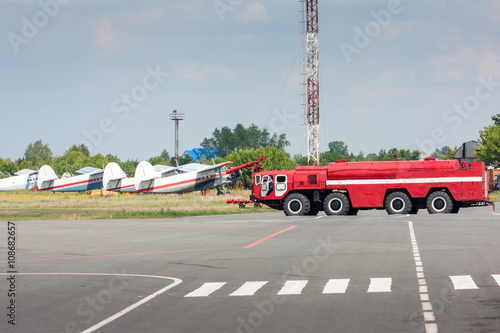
{"x": 143, "y": 173}
{"x": 112, "y": 175}
{"x": 45, "y": 176}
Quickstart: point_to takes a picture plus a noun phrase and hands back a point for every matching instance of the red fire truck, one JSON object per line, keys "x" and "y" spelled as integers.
{"x": 399, "y": 187}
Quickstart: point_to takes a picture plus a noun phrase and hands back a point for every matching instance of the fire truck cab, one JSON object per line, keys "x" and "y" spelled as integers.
{"x": 400, "y": 187}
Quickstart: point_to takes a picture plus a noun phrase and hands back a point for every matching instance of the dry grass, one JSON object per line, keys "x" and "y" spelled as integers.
{"x": 27, "y": 205}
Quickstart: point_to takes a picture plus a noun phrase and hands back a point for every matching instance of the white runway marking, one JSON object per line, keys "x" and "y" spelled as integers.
{"x": 126, "y": 310}
{"x": 463, "y": 282}
{"x": 428, "y": 312}
{"x": 380, "y": 285}
{"x": 336, "y": 286}
{"x": 293, "y": 287}
{"x": 248, "y": 288}
{"x": 496, "y": 277}
{"x": 206, "y": 289}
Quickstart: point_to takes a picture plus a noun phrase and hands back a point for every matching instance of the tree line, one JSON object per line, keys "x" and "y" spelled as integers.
{"x": 240, "y": 145}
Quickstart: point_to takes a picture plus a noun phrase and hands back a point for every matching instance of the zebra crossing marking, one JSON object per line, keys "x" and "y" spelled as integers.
{"x": 380, "y": 285}
{"x": 248, "y": 288}
{"x": 206, "y": 289}
{"x": 463, "y": 282}
{"x": 293, "y": 287}
{"x": 336, "y": 286}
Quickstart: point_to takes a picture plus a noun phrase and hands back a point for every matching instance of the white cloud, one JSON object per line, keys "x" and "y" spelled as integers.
{"x": 254, "y": 12}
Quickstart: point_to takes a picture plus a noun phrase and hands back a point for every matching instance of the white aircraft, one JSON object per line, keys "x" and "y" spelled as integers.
{"x": 23, "y": 179}
{"x": 186, "y": 178}
{"x": 166, "y": 179}
{"x": 89, "y": 179}
{"x": 114, "y": 179}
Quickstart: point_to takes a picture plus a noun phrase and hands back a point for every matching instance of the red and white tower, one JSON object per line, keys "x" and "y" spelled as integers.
{"x": 311, "y": 75}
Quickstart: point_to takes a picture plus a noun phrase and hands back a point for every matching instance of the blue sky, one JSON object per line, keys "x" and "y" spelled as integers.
{"x": 405, "y": 74}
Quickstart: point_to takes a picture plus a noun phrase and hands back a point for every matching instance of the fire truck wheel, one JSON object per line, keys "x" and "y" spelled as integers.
{"x": 398, "y": 203}
{"x": 296, "y": 204}
{"x": 439, "y": 202}
{"x": 337, "y": 203}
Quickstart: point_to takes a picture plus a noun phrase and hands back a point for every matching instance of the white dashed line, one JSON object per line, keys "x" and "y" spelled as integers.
{"x": 429, "y": 317}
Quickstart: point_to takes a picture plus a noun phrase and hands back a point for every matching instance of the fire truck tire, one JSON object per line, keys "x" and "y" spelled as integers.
{"x": 337, "y": 203}
{"x": 398, "y": 203}
{"x": 439, "y": 202}
{"x": 353, "y": 211}
{"x": 296, "y": 204}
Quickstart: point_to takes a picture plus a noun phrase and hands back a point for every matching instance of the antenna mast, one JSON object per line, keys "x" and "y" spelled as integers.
{"x": 312, "y": 80}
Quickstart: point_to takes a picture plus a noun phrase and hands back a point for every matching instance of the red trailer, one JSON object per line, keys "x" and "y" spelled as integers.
{"x": 400, "y": 187}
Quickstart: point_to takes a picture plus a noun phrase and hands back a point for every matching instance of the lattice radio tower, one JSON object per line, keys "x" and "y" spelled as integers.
{"x": 311, "y": 76}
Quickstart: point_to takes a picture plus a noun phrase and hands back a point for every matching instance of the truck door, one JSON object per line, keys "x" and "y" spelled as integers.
{"x": 280, "y": 187}
{"x": 264, "y": 188}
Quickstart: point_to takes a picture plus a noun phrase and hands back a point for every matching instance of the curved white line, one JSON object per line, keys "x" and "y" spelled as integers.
{"x": 129, "y": 308}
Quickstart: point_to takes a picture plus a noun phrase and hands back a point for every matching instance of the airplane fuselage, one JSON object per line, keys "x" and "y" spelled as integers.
{"x": 186, "y": 182}
{"x": 21, "y": 182}
{"x": 74, "y": 184}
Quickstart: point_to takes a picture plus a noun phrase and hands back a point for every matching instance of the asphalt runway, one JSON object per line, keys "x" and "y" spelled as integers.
{"x": 254, "y": 273}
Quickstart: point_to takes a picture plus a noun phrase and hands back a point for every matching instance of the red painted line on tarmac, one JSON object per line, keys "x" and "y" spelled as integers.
{"x": 269, "y": 237}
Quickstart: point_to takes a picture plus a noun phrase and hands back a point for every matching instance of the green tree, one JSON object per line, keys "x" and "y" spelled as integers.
{"x": 275, "y": 159}
{"x": 226, "y": 140}
{"x": 299, "y": 159}
{"x": 81, "y": 148}
{"x": 163, "y": 159}
{"x": 449, "y": 153}
{"x": 339, "y": 147}
{"x": 38, "y": 154}
{"x": 489, "y": 138}
{"x": 7, "y": 168}
{"x": 496, "y": 119}
{"x": 71, "y": 161}
{"x": 129, "y": 167}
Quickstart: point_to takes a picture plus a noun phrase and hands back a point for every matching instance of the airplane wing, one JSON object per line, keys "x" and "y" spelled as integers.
{"x": 25, "y": 172}
{"x": 203, "y": 168}
{"x": 162, "y": 168}
{"x": 89, "y": 170}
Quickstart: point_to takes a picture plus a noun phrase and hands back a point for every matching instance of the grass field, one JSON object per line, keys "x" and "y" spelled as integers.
{"x": 28, "y": 205}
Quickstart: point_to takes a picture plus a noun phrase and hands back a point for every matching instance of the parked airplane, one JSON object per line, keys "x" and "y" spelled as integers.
{"x": 114, "y": 179}
{"x": 186, "y": 178}
{"x": 23, "y": 179}
{"x": 89, "y": 179}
